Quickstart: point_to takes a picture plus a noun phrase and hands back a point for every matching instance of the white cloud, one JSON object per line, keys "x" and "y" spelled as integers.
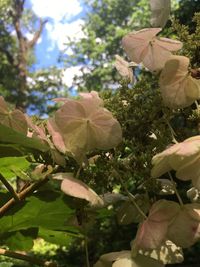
{"x": 59, "y": 32}
{"x": 57, "y": 29}
{"x": 70, "y": 73}
{"x": 56, "y": 9}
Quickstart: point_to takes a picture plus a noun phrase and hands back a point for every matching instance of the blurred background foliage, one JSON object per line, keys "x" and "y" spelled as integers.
{"x": 138, "y": 108}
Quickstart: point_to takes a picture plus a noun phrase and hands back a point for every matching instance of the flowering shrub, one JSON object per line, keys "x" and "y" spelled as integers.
{"x": 83, "y": 139}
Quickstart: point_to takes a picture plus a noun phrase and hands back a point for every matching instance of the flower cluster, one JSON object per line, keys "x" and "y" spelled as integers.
{"x": 83, "y": 125}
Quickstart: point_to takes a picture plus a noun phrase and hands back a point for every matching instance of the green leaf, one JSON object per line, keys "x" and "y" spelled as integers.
{"x": 20, "y": 241}
{"x": 10, "y": 150}
{"x": 57, "y": 237}
{"x": 12, "y": 166}
{"x": 8, "y": 135}
{"x": 46, "y": 209}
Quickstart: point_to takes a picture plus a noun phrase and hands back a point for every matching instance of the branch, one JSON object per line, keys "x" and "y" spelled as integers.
{"x": 22, "y": 195}
{"x": 9, "y": 188}
{"x": 37, "y": 34}
{"x": 30, "y": 259}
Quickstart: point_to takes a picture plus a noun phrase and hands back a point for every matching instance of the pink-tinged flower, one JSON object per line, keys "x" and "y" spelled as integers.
{"x": 143, "y": 46}
{"x": 83, "y": 125}
{"x": 125, "y": 258}
{"x": 76, "y": 188}
{"x": 153, "y": 231}
{"x": 14, "y": 119}
{"x": 124, "y": 69}
{"x": 39, "y": 132}
{"x": 183, "y": 157}
{"x": 184, "y": 230}
{"x": 160, "y": 10}
{"x": 178, "y": 88}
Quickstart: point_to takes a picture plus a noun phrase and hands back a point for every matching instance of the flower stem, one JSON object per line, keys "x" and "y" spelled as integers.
{"x": 86, "y": 252}
{"x": 130, "y": 196}
{"x": 176, "y": 192}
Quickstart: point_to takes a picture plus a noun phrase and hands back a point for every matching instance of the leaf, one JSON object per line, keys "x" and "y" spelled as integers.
{"x": 22, "y": 240}
{"x": 76, "y": 188}
{"x": 143, "y": 46}
{"x": 46, "y": 209}
{"x": 178, "y": 88}
{"x": 160, "y": 10}
{"x": 12, "y": 166}
{"x": 8, "y": 135}
{"x": 10, "y": 150}
{"x": 14, "y": 119}
{"x": 56, "y": 237}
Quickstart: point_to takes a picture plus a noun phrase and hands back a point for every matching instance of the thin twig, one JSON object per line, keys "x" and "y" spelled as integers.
{"x": 172, "y": 132}
{"x": 27, "y": 258}
{"x": 9, "y": 188}
{"x": 86, "y": 252}
{"x": 130, "y": 196}
{"x": 78, "y": 172}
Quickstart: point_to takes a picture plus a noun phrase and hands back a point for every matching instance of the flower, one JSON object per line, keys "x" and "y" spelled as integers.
{"x": 83, "y": 125}
{"x": 184, "y": 230}
{"x": 178, "y": 88}
{"x": 153, "y": 231}
{"x": 124, "y": 69}
{"x": 143, "y": 46}
{"x": 183, "y": 157}
{"x": 168, "y": 220}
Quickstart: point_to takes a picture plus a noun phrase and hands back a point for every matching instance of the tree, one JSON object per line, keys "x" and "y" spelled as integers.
{"x": 18, "y": 84}
{"x": 106, "y": 22}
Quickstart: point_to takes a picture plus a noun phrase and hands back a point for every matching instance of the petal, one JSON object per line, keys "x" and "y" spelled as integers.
{"x": 161, "y": 163}
{"x": 184, "y": 231}
{"x": 163, "y": 210}
{"x": 151, "y": 234}
{"x": 76, "y": 188}
{"x": 136, "y": 43}
{"x": 56, "y": 136}
{"x": 123, "y": 68}
{"x": 160, "y": 10}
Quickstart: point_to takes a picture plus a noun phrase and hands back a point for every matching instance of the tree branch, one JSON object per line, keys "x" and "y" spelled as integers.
{"x": 37, "y": 34}
{"x": 9, "y": 188}
{"x": 22, "y": 195}
{"x": 30, "y": 259}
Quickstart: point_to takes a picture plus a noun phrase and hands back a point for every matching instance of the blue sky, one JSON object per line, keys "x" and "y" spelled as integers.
{"x": 64, "y": 20}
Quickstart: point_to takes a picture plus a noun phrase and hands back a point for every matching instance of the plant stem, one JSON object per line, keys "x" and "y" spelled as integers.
{"x": 172, "y": 132}
{"x": 78, "y": 172}
{"x": 27, "y": 258}
{"x": 176, "y": 192}
{"x": 22, "y": 195}
{"x": 86, "y": 252}
{"x": 130, "y": 196}
{"x": 9, "y": 188}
